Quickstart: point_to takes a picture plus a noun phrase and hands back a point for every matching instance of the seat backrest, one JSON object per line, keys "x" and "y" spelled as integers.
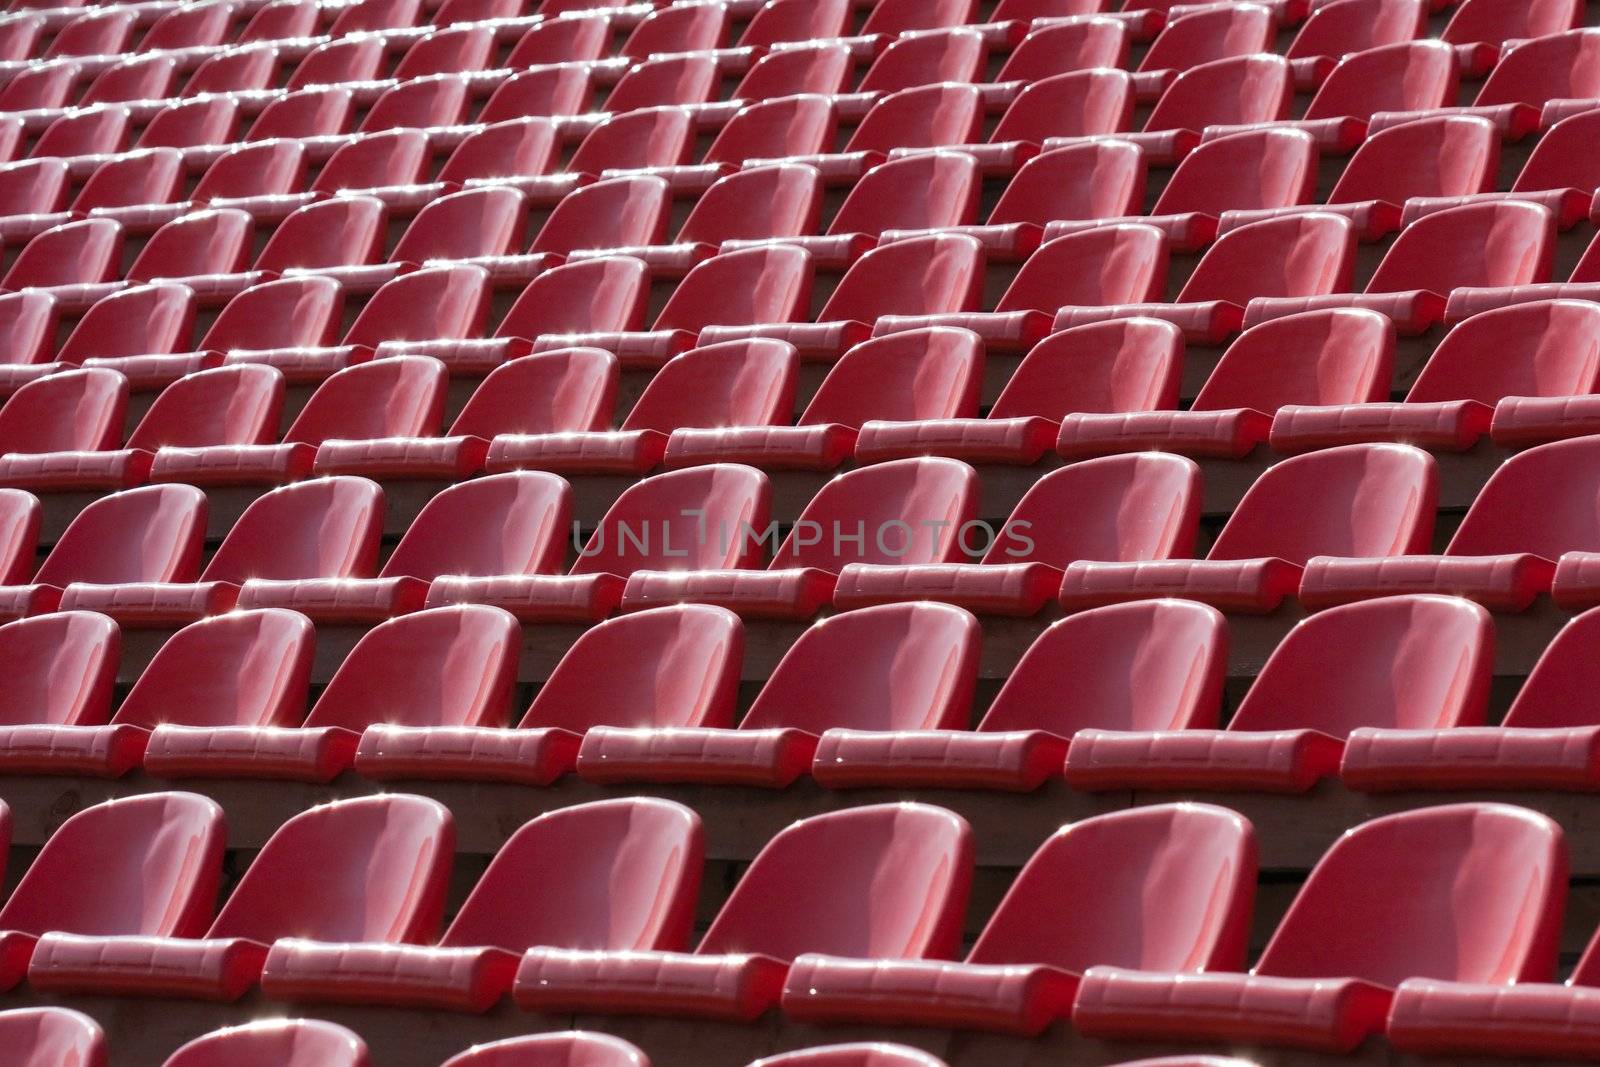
{"x": 1453, "y": 155}
{"x": 1563, "y": 157}
{"x": 1561, "y": 66}
{"x": 281, "y": 19}
{"x": 898, "y": 16}
{"x": 1540, "y": 501}
{"x": 98, "y": 32}
{"x": 1212, "y": 33}
{"x": 1408, "y": 76}
{"x": 143, "y": 78}
{"x": 73, "y": 411}
{"x": 28, "y": 321}
{"x": 37, "y": 185}
{"x": 1356, "y": 500}
{"x": 890, "y": 667}
{"x": 566, "y": 390}
{"x": 556, "y": 41}
{"x": 146, "y": 865}
{"x": 1335, "y": 356}
{"x": 1346, "y": 26}
{"x": 238, "y": 69}
{"x": 338, "y": 60}
{"x": 368, "y": 869}
{"x": 1403, "y": 663}
{"x": 342, "y": 231}
{"x": 245, "y": 668}
{"x": 614, "y": 875}
{"x": 233, "y": 405}
{"x": 1497, "y": 243}
{"x": 512, "y": 523}
{"x": 308, "y": 113}
{"x": 783, "y": 200}
{"x": 51, "y": 1037}
{"x": 144, "y": 176}
{"x": 203, "y": 242}
{"x": 1119, "y": 365}
{"x": 150, "y": 534}
{"x": 823, "y": 67}
{"x": 21, "y": 516}
{"x": 473, "y": 222}
{"x": 684, "y": 28}
{"x": 675, "y": 522}
{"x": 665, "y": 667}
{"x": 572, "y": 1047}
{"x": 1082, "y": 44}
{"x": 74, "y": 253}
{"x": 1140, "y": 506}
{"x": 1461, "y": 892}
{"x": 594, "y": 296}
{"x": 927, "y": 191}
{"x": 905, "y": 512}
{"x": 1559, "y": 689}
{"x": 399, "y": 397}
{"x": 1162, "y": 888}
{"x": 882, "y": 881}
{"x": 448, "y": 50}
{"x": 196, "y": 122}
{"x": 274, "y": 1043}
{"x": 933, "y": 373}
{"x": 85, "y": 133}
{"x": 1093, "y": 180}
{"x": 1546, "y": 348}
{"x": 1145, "y": 665}
{"x": 955, "y": 55}
{"x": 562, "y": 89}
{"x": 286, "y": 313}
{"x": 665, "y": 80}
{"x": 649, "y": 137}
{"x": 923, "y": 276}
{"x": 450, "y": 666}
{"x": 375, "y": 16}
{"x": 1309, "y": 254}
{"x": 192, "y": 26}
{"x": 752, "y": 285}
{"x": 787, "y": 21}
{"x": 735, "y": 383}
{"x": 511, "y": 148}
{"x": 1268, "y": 168}
{"x": 1226, "y": 92}
{"x": 323, "y": 528}
{"x": 447, "y": 302}
{"x": 60, "y": 669}
{"x": 141, "y": 320}
{"x": 772, "y": 129}
{"x": 1108, "y": 265}
{"x": 927, "y": 116}
{"x": 394, "y": 157}
{"x": 619, "y": 213}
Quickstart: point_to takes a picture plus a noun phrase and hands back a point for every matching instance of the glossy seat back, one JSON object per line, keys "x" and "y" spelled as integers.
{"x": 1336, "y": 356}
{"x": 1499, "y": 243}
{"x": 235, "y": 405}
{"x": 274, "y": 1043}
{"x": 1309, "y": 254}
{"x": 750, "y": 286}
{"x": 934, "y": 373}
{"x": 565, "y": 390}
{"x": 150, "y": 534}
{"x": 60, "y": 669}
{"x": 512, "y": 523}
{"x": 596, "y": 295}
{"x": 1546, "y": 348}
{"x": 923, "y": 276}
{"x": 323, "y": 528}
{"x": 906, "y": 511}
{"x": 1120, "y": 264}
{"x": 674, "y": 522}
{"x": 1540, "y": 501}
{"x": 398, "y": 397}
{"x": 735, "y": 383}
{"x": 1119, "y": 365}
{"x": 52, "y": 1037}
{"x": 77, "y": 410}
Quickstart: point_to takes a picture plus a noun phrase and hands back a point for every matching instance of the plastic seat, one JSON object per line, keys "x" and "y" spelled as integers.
{"x": 156, "y": 318}
{"x": 274, "y": 1043}
{"x": 928, "y": 191}
{"x": 1122, "y": 365}
{"x": 927, "y": 116}
{"x": 204, "y": 675}
{"x": 236, "y": 70}
{"x": 31, "y": 187}
{"x": 1102, "y": 872}
{"x": 619, "y": 214}
{"x": 94, "y": 33}
{"x": 281, "y": 20}
{"x": 756, "y": 204}
{"x": 669, "y": 80}
{"x": 555, "y": 41}
{"x": 651, "y": 137}
{"x": 891, "y": 667}
{"x": 96, "y": 131}
{"x": 194, "y": 126}
{"x": 895, "y": 17}
{"x": 57, "y": 432}
{"x": 845, "y": 903}
{"x": 860, "y": 1054}
{"x": 789, "y": 21}
{"x": 316, "y": 112}
{"x": 802, "y": 125}
{"x": 911, "y": 376}
{"x": 1336, "y": 671}
{"x": 41, "y": 86}
{"x": 1401, "y": 891}
{"x": 683, "y": 28}
{"x": 613, "y": 876}
{"x": 1517, "y": 372}
{"x": 823, "y": 67}
{"x": 1493, "y": 22}
{"x": 726, "y": 294}
{"x": 336, "y": 60}
{"x": 29, "y": 319}
{"x": 1021, "y": 566}
{"x": 448, "y": 50}
{"x": 1118, "y": 266}
{"x": 63, "y": 667}
{"x": 955, "y": 55}
{"x": 143, "y": 866}
{"x": 374, "y": 16}
{"x": 20, "y": 519}
{"x": 1060, "y": 48}
{"x": 148, "y": 78}
{"x": 1308, "y": 364}
{"x": 46, "y": 1037}
{"x": 343, "y": 231}
{"x": 1348, "y": 26}
{"x": 1239, "y": 91}
{"x": 1209, "y": 35}
{"x": 254, "y": 175}
{"x": 324, "y": 528}
{"x": 370, "y": 869}
{"x": 572, "y": 1047}
{"x": 419, "y": 104}
{"x": 1368, "y": 502}
{"x": 513, "y": 148}
{"x": 375, "y": 165}
{"x": 193, "y": 26}
{"x": 542, "y": 92}
{"x": 192, "y": 247}
{"x": 734, "y": 384}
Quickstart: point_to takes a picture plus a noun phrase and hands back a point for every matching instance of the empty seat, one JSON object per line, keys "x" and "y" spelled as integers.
{"x": 1336, "y": 671}
{"x": 390, "y": 855}
{"x": 48, "y": 424}
{"x": 1121, "y": 365}
{"x": 1346, "y": 26}
{"x": 861, "y": 1054}
{"x": 1239, "y": 91}
{"x": 151, "y": 534}
{"x": 749, "y": 205}
{"x": 47, "y": 1037}
{"x": 821, "y": 67}
{"x": 62, "y": 668}
{"x": 144, "y": 866}
{"x": 1304, "y": 362}
{"x": 955, "y": 55}
{"x": 1370, "y": 502}
{"x": 156, "y": 319}
{"x": 95, "y": 33}
{"x": 1165, "y": 888}
{"x": 667, "y": 80}
{"x": 612, "y": 876}
{"x": 1402, "y": 892}
{"x": 86, "y": 253}
{"x": 649, "y": 137}
{"x": 274, "y": 1043}
{"x": 933, "y": 373}
{"x": 684, "y": 28}
{"x": 542, "y": 92}
{"x": 898, "y": 16}
{"x": 191, "y": 26}
{"x": 848, "y": 904}
{"x": 556, "y": 41}
{"x": 575, "y": 1046}
{"x": 29, "y": 320}
{"x": 1209, "y": 35}
{"x": 786, "y": 21}
{"x": 91, "y": 132}
{"x": 1058, "y": 48}
{"x": 664, "y": 668}
{"x": 1080, "y": 512}
{"x": 447, "y": 50}
{"x": 323, "y": 528}
{"x": 879, "y": 666}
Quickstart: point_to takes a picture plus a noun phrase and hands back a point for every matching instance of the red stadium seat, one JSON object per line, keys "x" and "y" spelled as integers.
{"x": 274, "y": 1043}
